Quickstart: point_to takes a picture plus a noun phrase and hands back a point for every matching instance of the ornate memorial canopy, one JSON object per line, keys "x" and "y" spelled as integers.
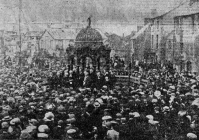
{"x": 89, "y": 43}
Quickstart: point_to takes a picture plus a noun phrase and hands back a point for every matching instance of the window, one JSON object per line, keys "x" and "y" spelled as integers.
{"x": 42, "y": 43}
{"x": 198, "y": 19}
{"x": 180, "y": 22}
{"x": 181, "y": 47}
{"x": 158, "y": 24}
{"x": 192, "y": 19}
{"x": 157, "y": 42}
{"x": 51, "y": 44}
{"x": 152, "y": 41}
{"x": 169, "y": 44}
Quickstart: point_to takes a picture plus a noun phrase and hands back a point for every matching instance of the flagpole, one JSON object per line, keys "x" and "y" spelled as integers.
{"x": 19, "y": 16}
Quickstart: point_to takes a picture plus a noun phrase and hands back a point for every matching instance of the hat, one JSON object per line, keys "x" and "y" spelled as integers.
{"x": 123, "y": 119}
{"x": 106, "y": 118}
{"x": 104, "y": 87}
{"x": 99, "y": 100}
{"x": 118, "y": 115}
{"x": 33, "y": 121}
{"x": 191, "y": 136}
{"x": 189, "y": 117}
{"x": 71, "y": 116}
{"x": 49, "y": 116}
{"x": 142, "y": 93}
{"x": 42, "y": 135}
{"x": 193, "y": 125}
{"x": 43, "y": 128}
{"x": 32, "y": 103}
{"x": 131, "y": 114}
{"x": 72, "y": 120}
{"x": 4, "y": 125}
{"x": 11, "y": 99}
{"x": 166, "y": 108}
{"x": 150, "y": 117}
{"x": 14, "y": 121}
{"x": 96, "y": 104}
{"x": 60, "y": 108}
{"x": 114, "y": 122}
{"x": 154, "y": 101}
{"x": 157, "y": 93}
{"x": 60, "y": 122}
{"x": 172, "y": 87}
{"x": 136, "y": 114}
{"x": 188, "y": 94}
{"x": 182, "y": 113}
{"x": 73, "y": 92}
{"x": 85, "y": 99}
{"x": 153, "y": 122}
{"x": 30, "y": 129}
{"x": 25, "y": 135}
{"x": 7, "y": 118}
{"x": 71, "y": 131}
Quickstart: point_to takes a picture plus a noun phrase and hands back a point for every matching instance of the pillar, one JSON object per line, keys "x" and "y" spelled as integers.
{"x": 94, "y": 61}
{"x": 78, "y": 64}
{"x": 98, "y": 63}
{"x": 83, "y": 63}
{"x": 107, "y": 62}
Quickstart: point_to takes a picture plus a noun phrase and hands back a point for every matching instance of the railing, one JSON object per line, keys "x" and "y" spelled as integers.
{"x": 125, "y": 78}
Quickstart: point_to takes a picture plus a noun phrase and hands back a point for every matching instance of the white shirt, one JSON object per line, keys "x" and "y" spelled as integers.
{"x": 112, "y": 134}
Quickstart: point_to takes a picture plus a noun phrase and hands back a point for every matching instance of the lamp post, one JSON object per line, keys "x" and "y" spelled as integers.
{"x": 129, "y": 73}
{"x": 20, "y": 55}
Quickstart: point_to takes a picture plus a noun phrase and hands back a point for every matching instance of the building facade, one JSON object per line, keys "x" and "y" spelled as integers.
{"x": 174, "y": 37}
{"x": 55, "y": 41}
{"x": 31, "y": 41}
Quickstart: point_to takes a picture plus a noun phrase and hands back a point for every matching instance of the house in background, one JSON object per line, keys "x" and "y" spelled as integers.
{"x": 140, "y": 44}
{"x": 187, "y": 36}
{"x": 55, "y": 41}
{"x": 11, "y": 43}
{"x": 31, "y": 41}
{"x": 121, "y": 46}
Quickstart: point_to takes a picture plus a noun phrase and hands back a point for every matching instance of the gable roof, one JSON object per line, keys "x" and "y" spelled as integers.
{"x": 141, "y": 31}
{"x": 172, "y": 11}
{"x": 34, "y": 33}
{"x": 62, "y": 34}
{"x": 187, "y": 9}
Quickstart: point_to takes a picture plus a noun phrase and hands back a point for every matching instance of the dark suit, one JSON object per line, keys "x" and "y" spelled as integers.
{"x": 81, "y": 79}
{"x": 99, "y": 82}
{"x": 66, "y": 82}
{"x": 93, "y": 77}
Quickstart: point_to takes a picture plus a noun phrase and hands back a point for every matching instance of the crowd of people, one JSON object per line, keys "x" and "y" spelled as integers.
{"x": 73, "y": 104}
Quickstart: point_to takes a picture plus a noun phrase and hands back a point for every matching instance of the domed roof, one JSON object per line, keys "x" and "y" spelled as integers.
{"x": 89, "y": 35}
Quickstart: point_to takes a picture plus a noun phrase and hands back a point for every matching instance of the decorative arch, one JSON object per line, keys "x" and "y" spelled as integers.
{"x": 89, "y": 43}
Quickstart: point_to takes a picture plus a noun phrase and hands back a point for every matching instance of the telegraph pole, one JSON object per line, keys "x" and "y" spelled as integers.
{"x": 19, "y": 16}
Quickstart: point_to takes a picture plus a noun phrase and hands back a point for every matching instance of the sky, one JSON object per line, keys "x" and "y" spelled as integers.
{"x": 102, "y": 11}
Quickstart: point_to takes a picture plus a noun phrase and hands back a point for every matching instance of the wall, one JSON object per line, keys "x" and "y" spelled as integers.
{"x": 47, "y": 42}
{"x": 189, "y": 37}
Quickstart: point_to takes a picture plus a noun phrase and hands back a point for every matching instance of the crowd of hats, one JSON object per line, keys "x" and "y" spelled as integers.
{"x": 165, "y": 108}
